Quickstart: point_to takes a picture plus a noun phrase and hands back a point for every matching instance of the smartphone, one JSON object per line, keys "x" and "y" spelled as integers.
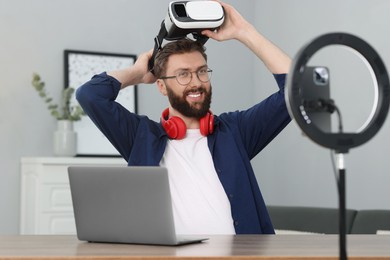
{"x": 316, "y": 87}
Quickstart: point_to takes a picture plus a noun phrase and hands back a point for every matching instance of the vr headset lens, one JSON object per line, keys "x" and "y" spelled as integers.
{"x": 180, "y": 10}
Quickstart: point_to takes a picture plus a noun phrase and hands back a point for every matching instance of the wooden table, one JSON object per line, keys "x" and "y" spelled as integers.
{"x": 217, "y": 247}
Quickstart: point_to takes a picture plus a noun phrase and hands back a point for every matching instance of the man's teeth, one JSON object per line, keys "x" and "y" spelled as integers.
{"x": 194, "y": 95}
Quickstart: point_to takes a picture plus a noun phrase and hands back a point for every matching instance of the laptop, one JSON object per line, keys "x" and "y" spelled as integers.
{"x": 116, "y": 204}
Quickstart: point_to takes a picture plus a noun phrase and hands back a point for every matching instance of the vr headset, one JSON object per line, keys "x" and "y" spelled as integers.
{"x": 188, "y": 17}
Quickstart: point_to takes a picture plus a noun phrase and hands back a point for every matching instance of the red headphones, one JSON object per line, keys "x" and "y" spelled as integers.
{"x": 176, "y": 128}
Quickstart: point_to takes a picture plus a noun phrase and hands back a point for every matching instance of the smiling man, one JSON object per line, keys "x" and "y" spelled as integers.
{"x": 188, "y": 82}
{"x": 214, "y": 189}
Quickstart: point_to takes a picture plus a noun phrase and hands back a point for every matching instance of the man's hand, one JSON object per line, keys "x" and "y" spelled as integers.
{"x": 141, "y": 66}
{"x": 233, "y": 27}
{"x": 136, "y": 74}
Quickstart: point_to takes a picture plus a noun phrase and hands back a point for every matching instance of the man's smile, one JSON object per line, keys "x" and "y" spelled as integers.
{"x": 195, "y": 94}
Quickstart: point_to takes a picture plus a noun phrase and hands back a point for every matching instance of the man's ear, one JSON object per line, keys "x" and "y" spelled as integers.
{"x": 162, "y": 87}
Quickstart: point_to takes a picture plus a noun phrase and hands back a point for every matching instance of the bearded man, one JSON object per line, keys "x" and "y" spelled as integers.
{"x": 214, "y": 189}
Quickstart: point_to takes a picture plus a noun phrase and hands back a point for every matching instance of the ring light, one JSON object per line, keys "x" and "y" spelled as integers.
{"x": 340, "y": 142}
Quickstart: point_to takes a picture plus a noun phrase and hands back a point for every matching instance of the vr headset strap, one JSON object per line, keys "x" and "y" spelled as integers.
{"x": 200, "y": 38}
{"x": 157, "y": 45}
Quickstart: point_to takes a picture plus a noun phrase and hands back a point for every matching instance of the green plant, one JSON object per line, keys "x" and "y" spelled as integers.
{"x": 66, "y": 111}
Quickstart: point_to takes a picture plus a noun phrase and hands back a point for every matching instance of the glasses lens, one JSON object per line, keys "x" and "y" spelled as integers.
{"x": 204, "y": 75}
{"x": 185, "y": 77}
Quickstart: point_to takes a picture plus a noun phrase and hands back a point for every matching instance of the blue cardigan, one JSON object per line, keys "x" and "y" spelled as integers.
{"x": 237, "y": 138}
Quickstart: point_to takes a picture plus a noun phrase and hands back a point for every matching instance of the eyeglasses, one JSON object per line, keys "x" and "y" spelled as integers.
{"x": 184, "y": 77}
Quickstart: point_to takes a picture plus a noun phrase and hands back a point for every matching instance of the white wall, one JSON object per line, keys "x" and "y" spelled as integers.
{"x": 292, "y": 170}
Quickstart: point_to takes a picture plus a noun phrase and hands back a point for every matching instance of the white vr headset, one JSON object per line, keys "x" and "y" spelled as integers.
{"x": 188, "y": 17}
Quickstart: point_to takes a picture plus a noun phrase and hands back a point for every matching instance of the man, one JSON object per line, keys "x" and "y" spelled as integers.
{"x": 213, "y": 185}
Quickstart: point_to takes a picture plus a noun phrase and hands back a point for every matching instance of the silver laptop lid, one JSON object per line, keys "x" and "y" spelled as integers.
{"x": 122, "y": 204}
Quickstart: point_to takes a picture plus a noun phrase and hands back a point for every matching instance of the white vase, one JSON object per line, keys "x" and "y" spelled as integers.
{"x": 65, "y": 139}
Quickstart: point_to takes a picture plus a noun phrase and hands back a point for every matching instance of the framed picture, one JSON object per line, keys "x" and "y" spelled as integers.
{"x": 80, "y": 67}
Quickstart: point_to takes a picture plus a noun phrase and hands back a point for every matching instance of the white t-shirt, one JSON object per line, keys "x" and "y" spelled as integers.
{"x": 200, "y": 204}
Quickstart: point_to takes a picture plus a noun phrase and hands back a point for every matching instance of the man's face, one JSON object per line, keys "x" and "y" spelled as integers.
{"x": 194, "y": 98}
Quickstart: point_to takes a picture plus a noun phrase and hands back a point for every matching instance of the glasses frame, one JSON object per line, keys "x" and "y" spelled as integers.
{"x": 209, "y": 73}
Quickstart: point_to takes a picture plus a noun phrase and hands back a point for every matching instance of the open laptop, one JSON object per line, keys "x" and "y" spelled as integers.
{"x": 124, "y": 205}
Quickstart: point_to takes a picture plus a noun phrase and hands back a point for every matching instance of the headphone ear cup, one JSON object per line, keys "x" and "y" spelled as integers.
{"x": 206, "y": 124}
{"x": 211, "y": 123}
{"x": 174, "y": 126}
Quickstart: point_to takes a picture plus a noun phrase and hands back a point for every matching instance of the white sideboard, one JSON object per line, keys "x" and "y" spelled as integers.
{"x": 46, "y": 203}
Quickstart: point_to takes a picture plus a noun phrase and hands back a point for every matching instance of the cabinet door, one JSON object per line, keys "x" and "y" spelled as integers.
{"x": 46, "y": 202}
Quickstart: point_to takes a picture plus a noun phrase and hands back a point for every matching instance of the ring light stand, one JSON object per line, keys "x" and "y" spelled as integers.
{"x": 339, "y": 142}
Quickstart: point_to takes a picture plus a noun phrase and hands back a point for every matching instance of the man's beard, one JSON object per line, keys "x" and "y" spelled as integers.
{"x": 180, "y": 103}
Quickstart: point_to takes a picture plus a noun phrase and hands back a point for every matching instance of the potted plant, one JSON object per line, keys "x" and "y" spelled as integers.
{"x": 63, "y": 112}
{"x": 65, "y": 139}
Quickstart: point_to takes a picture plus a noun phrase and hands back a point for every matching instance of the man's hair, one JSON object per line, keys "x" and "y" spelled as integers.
{"x": 177, "y": 47}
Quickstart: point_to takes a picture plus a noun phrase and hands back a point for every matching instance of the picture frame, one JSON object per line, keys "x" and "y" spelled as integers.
{"x": 80, "y": 67}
